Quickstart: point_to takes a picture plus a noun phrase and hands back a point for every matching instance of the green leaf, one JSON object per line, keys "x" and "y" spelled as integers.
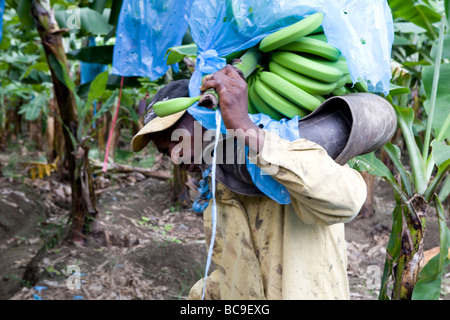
{"x": 444, "y": 235}
{"x": 5, "y": 43}
{"x": 395, "y": 155}
{"x": 132, "y": 113}
{"x": 402, "y": 41}
{"x": 441, "y": 152}
{"x": 446, "y": 48}
{"x": 61, "y": 72}
{"x": 371, "y": 164}
{"x": 98, "y": 86}
{"x": 408, "y": 27}
{"x": 115, "y": 12}
{"x": 439, "y": 177}
{"x": 98, "y": 54}
{"x": 396, "y": 90}
{"x": 441, "y": 124}
{"x": 176, "y": 54}
{"x": 413, "y": 64}
{"x": 105, "y": 107}
{"x": 405, "y": 117}
{"x": 447, "y": 10}
{"x": 420, "y": 14}
{"x": 24, "y": 12}
{"x": 32, "y": 109}
{"x": 127, "y": 99}
{"x": 40, "y": 66}
{"x": 83, "y": 18}
{"x": 445, "y": 190}
{"x": 98, "y": 5}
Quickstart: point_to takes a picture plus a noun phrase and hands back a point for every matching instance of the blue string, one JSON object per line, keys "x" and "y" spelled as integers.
{"x": 202, "y": 201}
{"x": 95, "y": 112}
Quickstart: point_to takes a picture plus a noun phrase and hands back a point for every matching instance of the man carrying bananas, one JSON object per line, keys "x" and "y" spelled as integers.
{"x": 263, "y": 249}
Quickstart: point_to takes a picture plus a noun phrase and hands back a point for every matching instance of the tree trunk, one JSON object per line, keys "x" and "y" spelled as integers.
{"x": 83, "y": 198}
{"x": 35, "y": 133}
{"x": 3, "y": 101}
{"x": 104, "y": 123}
{"x": 412, "y": 248}
{"x": 368, "y": 210}
{"x": 54, "y": 136}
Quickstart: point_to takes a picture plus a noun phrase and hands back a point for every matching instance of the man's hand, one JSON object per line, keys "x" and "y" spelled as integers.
{"x": 233, "y": 103}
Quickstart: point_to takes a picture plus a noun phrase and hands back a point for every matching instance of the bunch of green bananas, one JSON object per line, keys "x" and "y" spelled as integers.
{"x": 303, "y": 70}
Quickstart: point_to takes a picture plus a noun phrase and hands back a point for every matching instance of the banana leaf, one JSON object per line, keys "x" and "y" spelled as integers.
{"x": 420, "y": 14}
{"x": 441, "y": 121}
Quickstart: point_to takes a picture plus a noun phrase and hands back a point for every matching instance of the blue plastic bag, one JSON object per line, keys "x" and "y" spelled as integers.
{"x": 2, "y": 9}
{"x": 145, "y": 30}
{"x": 88, "y": 71}
{"x": 362, "y": 30}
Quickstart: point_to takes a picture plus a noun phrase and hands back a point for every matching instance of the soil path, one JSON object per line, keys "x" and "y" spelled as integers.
{"x": 143, "y": 246}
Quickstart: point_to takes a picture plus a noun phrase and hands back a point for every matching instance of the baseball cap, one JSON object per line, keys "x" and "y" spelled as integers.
{"x": 153, "y": 123}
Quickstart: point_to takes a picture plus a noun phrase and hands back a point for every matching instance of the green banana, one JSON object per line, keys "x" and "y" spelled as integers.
{"x": 261, "y": 106}
{"x": 308, "y": 84}
{"x": 168, "y": 107}
{"x": 321, "y": 98}
{"x": 319, "y": 36}
{"x": 361, "y": 86}
{"x": 290, "y": 33}
{"x": 251, "y": 107}
{"x": 313, "y": 46}
{"x": 341, "y": 83}
{"x": 340, "y": 64}
{"x": 349, "y": 89}
{"x": 318, "y": 30}
{"x": 308, "y": 66}
{"x": 286, "y": 89}
{"x": 349, "y": 79}
{"x": 276, "y": 101}
{"x": 340, "y": 91}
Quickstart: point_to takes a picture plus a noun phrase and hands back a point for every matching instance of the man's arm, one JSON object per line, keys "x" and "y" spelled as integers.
{"x": 322, "y": 191}
{"x": 233, "y": 103}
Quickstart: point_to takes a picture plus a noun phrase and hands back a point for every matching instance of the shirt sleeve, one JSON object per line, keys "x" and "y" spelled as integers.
{"x": 322, "y": 191}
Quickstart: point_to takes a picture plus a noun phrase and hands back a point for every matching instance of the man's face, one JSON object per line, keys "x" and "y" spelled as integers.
{"x": 166, "y": 144}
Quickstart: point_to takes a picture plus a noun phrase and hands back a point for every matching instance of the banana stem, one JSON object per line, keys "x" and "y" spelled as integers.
{"x": 246, "y": 65}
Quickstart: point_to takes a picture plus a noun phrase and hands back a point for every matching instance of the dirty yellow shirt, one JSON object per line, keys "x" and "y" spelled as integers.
{"x": 265, "y": 250}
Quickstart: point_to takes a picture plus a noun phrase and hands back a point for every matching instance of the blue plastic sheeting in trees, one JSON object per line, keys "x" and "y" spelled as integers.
{"x": 362, "y": 30}
{"x": 145, "y": 30}
{"x": 2, "y": 8}
{"x": 88, "y": 71}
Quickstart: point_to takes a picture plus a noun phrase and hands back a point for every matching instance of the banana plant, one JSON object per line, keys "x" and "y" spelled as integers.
{"x": 416, "y": 183}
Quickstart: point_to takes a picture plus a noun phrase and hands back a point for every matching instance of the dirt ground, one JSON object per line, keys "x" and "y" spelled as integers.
{"x": 143, "y": 245}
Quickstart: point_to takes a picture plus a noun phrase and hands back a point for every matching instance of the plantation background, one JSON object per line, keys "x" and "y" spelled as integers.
{"x": 145, "y": 242}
